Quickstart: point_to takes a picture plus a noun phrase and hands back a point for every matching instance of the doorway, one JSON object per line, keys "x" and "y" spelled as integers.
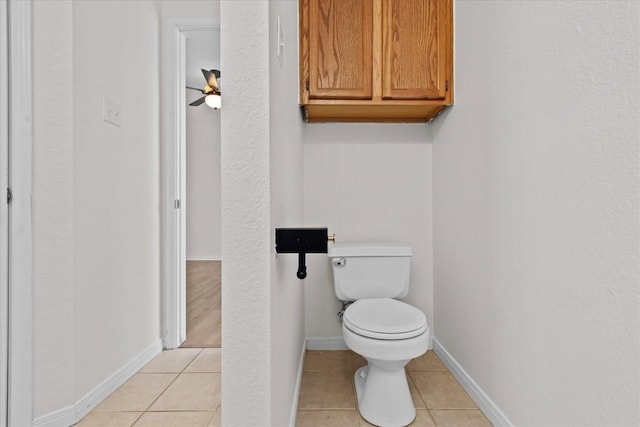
{"x": 4, "y": 211}
{"x": 203, "y": 198}
{"x": 175, "y": 195}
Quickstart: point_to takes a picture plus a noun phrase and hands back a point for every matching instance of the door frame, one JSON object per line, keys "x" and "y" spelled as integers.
{"x": 4, "y": 212}
{"x": 173, "y": 176}
{"x": 18, "y": 349}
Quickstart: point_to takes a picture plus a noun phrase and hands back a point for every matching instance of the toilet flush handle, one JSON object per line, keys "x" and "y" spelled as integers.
{"x": 339, "y": 262}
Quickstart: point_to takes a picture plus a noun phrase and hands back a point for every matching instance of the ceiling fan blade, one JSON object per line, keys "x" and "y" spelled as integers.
{"x": 195, "y": 88}
{"x": 198, "y": 101}
{"x": 211, "y": 78}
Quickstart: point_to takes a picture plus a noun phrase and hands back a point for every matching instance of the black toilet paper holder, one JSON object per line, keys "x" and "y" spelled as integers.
{"x": 302, "y": 241}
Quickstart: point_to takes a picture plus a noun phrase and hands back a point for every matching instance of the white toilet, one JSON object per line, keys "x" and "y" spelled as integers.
{"x": 385, "y": 331}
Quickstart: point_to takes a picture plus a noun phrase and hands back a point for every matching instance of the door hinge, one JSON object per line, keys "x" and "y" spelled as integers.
{"x": 446, "y": 85}
{"x": 306, "y": 84}
{"x": 176, "y": 204}
{"x": 9, "y": 197}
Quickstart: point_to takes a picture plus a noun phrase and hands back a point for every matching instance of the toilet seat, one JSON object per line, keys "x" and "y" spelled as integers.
{"x": 384, "y": 319}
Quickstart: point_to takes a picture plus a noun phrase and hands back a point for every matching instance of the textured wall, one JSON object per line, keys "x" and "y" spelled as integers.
{"x": 367, "y": 183}
{"x": 116, "y": 188}
{"x": 536, "y": 209}
{"x": 53, "y": 249}
{"x": 287, "y": 291}
{"x": 246, "y": 235}
{"x": 96, "y": 261}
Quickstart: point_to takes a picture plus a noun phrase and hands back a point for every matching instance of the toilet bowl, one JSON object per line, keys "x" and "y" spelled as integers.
{"x": 381, "y": 386}
{"x": 387, "y": 332}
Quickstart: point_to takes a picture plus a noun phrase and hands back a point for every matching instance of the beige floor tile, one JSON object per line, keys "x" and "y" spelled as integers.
{"x": 423, "y": 419}
{"x": 190, "y": 392}
{"x": 342, "y": 418}
{"x": 363, "y": 423}
{"x": 460, "y": 418}
{"x": 440, "y": 390}
{"x": 415, "y": 395}
{"x": 322, "y": 361}
{"x": 175, "y": 419}
{"x": 137, "y": 393}
{"x": 356, "y": 361}
{"x": 171, "y": 360}
{"x": 327, "y": 390}
{"x": 207, "y": 361}
{"x": 427, "y": 362}
{"x": 109, "y": 419}
{"x": 215, "y": 421}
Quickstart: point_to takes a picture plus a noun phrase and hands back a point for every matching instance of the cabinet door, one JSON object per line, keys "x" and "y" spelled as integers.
{"x": 415, "y": 38}
{"x": 340, "y": 56}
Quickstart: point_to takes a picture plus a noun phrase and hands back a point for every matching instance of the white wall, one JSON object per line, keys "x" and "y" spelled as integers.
{"x": 203, "y": 205}
{"x": 189, "y": 8}
{"x": 536, "y": 209}
{"x": 246, "y": 237}
{"x": 286, "y": 175}
{"x": 53, "y": 201}
{"x": 116, "y": 171}
{"x": 95, "y": 195}
{"x": 367, "y": 183}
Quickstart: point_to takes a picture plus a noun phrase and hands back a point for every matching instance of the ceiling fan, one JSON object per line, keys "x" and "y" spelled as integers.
{"x": 211, "y": 91}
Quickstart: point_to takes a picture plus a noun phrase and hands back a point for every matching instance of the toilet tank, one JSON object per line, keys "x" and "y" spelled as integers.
{"x": 370, "y": 270}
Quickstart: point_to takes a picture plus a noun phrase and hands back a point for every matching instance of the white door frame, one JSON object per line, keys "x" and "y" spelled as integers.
{"x": 173, "y": 185}
{"x": 4, "y": 211}
{"x": 17, "y": 234}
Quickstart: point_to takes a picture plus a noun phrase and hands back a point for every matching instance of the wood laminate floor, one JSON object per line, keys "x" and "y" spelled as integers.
{"x": 204, "y": 310}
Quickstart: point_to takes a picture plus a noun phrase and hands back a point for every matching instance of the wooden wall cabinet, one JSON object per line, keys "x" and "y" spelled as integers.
{"x": 375, "y": 60}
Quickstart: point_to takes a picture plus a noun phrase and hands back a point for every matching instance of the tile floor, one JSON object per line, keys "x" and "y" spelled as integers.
{"x": 181, "y": 388}
{"x": 328, "y": 398}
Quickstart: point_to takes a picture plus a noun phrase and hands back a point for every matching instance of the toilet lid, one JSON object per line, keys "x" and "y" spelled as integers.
{"x": 384, "y": 318}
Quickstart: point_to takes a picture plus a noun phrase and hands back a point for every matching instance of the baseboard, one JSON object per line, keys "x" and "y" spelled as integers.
{"x": 486, "y": 405}
{"x": 72, "y": 414}
{"x": 203, "y": 258}
{"x": 296, "y": 392}
{"x": 329, "y": 343}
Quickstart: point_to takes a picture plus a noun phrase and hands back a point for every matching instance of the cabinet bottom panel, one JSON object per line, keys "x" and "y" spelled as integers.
{"x": 371, "y": 113}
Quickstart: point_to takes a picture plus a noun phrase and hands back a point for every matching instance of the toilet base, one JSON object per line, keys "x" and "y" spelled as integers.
{"x": 375, "y": 403}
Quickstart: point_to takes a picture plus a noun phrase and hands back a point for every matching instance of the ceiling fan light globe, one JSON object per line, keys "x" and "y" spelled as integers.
{"x": 214, "y": 101}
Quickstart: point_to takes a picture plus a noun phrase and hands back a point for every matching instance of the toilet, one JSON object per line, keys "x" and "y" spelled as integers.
{"x": 385, "y": 331}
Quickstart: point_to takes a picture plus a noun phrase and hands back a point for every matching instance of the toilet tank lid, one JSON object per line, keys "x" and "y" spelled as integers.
{"x": 368, "y": 249}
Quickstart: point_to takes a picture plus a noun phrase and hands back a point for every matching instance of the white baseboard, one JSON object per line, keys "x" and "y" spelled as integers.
{"x": 72, "y": 414}
{"x": 296, "y": 392}
{"x": 486, "y": 405}
{"x": 203, "y": 258}
{"x": 329, "y": 343}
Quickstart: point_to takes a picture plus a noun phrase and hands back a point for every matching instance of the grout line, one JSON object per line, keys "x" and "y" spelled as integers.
{"x": 138, "y": 419}
{"x": 192, "y": 360}
{"x": 169, "y": 385}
